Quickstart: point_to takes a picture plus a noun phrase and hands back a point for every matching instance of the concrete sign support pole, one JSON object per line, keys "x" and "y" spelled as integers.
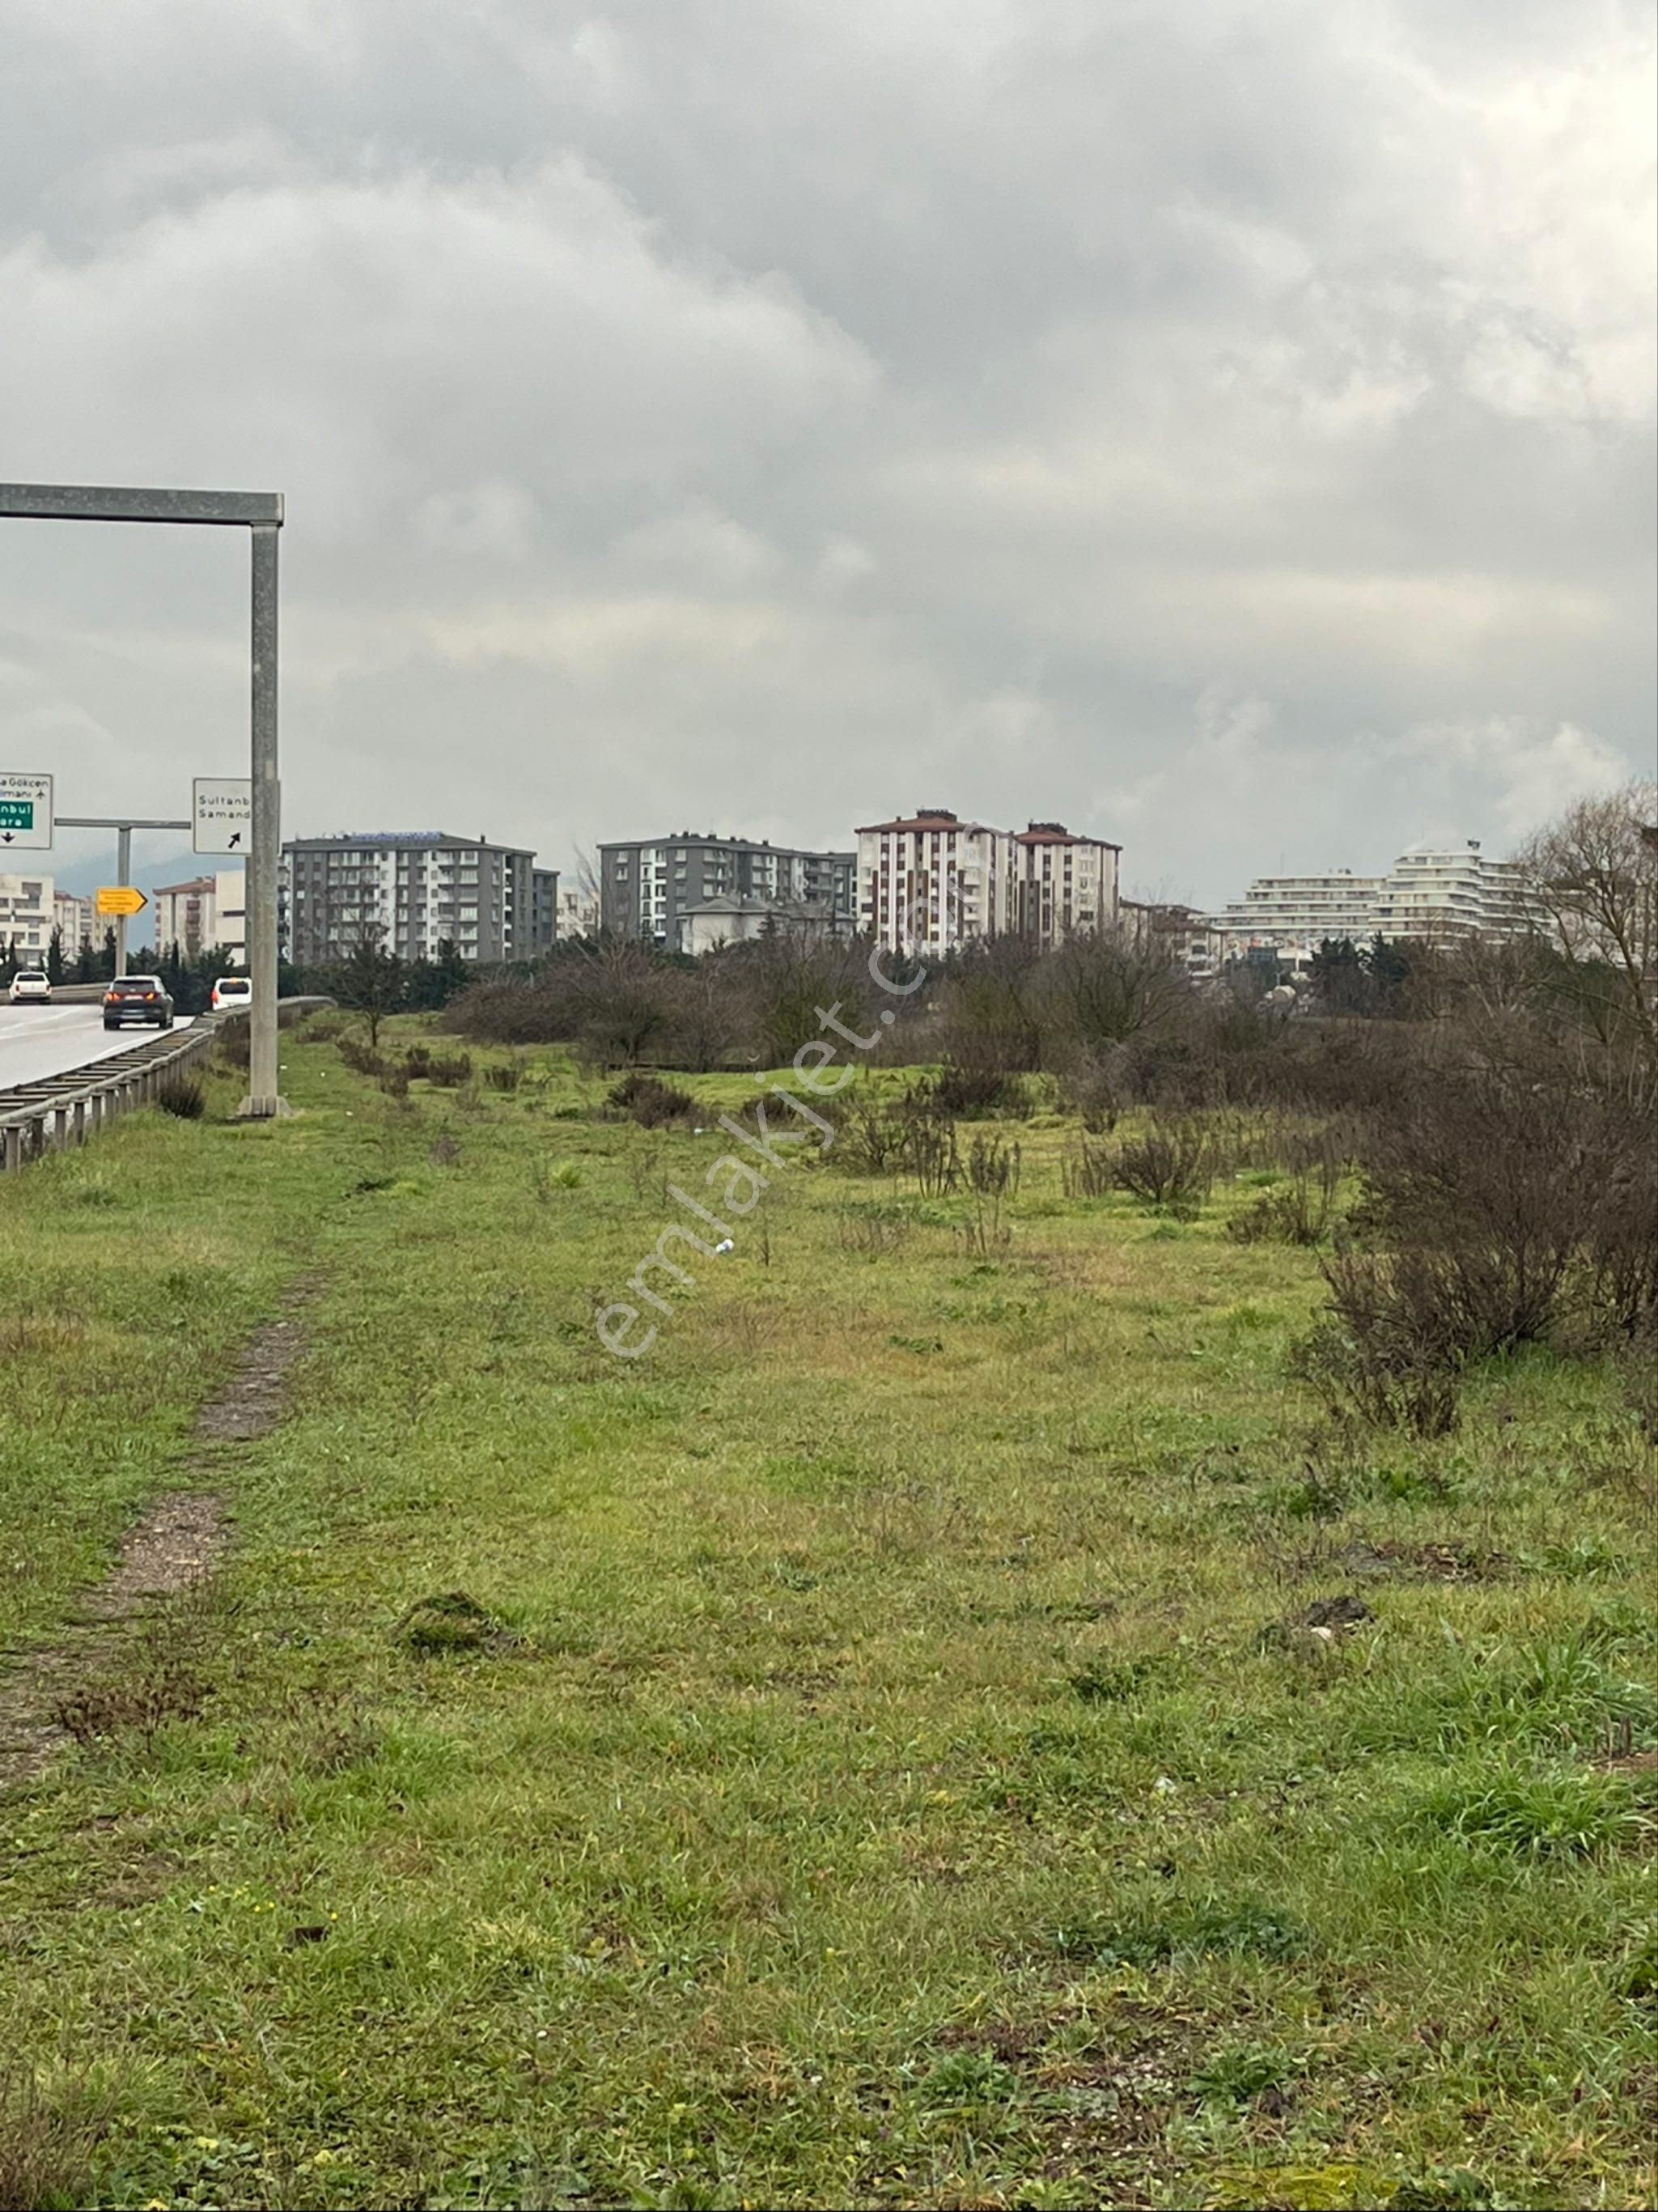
{"x": 123, "y": 876}
{"x": 263, "y": 1097}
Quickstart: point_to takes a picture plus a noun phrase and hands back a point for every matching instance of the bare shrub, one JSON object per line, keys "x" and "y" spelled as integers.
{"x": 394, "y": 1081}
{"x": 930, "y": 1153}
{"x": 992, "y": 1168}
{"x": 1087, "y": 1170}
{"x": 974, "y": 1094}
{"x": 649, "y": 1100}
{"x": 871, "y": 1135}
{"x": 1091, "y": 1089}
{"x": 506, "y": 1076}
{"x": 1392, "y": 1356}
{"x": 873, "y": 1236}
{"x": 444, "y": 1152}
{"x": 1299, "y": 1212}
{"x": 1171, "y": 1164}
{"x": 449, "y": 1072}
{"x": 361, "y": 1058}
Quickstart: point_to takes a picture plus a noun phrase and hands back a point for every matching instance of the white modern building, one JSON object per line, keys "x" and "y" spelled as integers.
{"x": 410, "y": 892}
{"x": 76, "y": 922}
{"x": 1434, "y": 893}
{"x": 26, "y": 914}
{"x": 206, "y": 914}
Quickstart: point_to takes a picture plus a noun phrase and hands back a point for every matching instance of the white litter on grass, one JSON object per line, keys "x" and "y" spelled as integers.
{"x": 726, "y": 1244}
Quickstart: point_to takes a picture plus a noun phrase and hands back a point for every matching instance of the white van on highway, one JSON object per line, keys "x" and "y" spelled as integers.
{"x": 232, "y": 994}
{"x": 31, "y": 986}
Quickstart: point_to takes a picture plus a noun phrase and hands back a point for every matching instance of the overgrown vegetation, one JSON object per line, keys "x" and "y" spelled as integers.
{"x": 978, "y": 1715}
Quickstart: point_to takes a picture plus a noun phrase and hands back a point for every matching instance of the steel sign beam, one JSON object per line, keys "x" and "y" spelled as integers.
{"x": 112, "y": 503}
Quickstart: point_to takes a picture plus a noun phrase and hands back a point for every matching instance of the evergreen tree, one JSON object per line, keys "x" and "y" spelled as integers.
{"x": 55, "y": 958}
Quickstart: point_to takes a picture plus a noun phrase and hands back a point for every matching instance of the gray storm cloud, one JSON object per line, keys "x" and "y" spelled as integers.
{"x": 1228, "y": 428}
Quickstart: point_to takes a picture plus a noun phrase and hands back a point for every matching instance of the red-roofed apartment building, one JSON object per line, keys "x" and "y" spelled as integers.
{"x": 931, "y": 880}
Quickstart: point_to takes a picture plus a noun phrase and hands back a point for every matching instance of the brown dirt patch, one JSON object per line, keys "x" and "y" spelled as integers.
{"x": 171, "y": 1549}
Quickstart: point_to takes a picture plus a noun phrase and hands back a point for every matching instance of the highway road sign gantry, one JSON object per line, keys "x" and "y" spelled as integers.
{"x": 221, "y": 813}
{"x": 261, "y": 515}
{"x": 25, "y": 814}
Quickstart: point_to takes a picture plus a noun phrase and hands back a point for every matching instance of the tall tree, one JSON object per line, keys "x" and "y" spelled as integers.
{"x": 1592, "y": 883}
{"x": 371, "y": 981}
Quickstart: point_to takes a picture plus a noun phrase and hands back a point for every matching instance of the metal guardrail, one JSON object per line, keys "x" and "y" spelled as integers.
{"x": 67, "y": 1108}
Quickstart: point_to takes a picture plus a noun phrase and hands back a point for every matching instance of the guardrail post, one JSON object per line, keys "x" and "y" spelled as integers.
{"x": 14, "y": 1147}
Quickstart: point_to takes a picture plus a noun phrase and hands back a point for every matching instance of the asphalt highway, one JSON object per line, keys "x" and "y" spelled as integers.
{"x": 38, "y": 1042}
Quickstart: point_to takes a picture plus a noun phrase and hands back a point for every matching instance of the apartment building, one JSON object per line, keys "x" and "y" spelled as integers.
{"x": 1435, "y": 893}
{"x": 25, "y": 915}
{"x": 1063, "y": 883}
{"x": 930, "y": 881}
{"x": 409, "y": 891}
{"x": 647, "y": 886}
{"x": 1441, "y": 893}
{"x": 75, "y": 921}
{"x": 206, "y": 914}
{"x": 1296, "y": 913}
{"x": 543, "y": 909}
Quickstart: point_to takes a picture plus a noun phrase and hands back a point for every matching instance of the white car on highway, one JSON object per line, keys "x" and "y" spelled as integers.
{"x": 233, "y": 993}
{"x": 31, "y": 986}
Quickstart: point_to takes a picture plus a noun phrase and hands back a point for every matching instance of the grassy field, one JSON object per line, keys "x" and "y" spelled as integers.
{"x": 891, "y": 1762}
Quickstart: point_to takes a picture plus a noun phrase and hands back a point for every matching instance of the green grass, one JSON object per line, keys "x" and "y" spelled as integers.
{"x": 885, "y": 1767}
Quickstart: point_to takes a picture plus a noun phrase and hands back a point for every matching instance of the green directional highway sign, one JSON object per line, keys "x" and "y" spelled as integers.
{"x": 25, "y": 814}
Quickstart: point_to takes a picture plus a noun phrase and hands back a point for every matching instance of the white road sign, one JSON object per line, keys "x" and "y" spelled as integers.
{"x": 222, "y": 809}
{"x": 25, "y": 811}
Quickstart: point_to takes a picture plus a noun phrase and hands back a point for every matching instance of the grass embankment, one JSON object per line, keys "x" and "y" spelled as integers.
{"x": 899, "y": 1769}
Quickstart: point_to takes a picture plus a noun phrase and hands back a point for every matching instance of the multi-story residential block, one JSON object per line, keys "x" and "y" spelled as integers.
{"x": 75, "y": 921}
{"x": 206, "y": 914}
{"x": 410, "y": 891}
{"x": 1435, "y": 893}
{"x": 1441, "y": 893}
{"x": 543, "y": 909}
{"x": 929, "y": 880}
{"x": 1295, "y": 913}
{"x": 26, "y": 914}
{"x": 646, "y": 886}
{"x": 1063, "y": 883}
{"x": 1188, "y": 937}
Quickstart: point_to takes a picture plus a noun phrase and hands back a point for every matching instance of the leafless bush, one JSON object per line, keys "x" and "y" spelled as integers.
{"x": 873, "y": 1236}
{"x": 992, "y": 1168}
{"x": 1171, "y": 1163}
{"x": 449, "y": 1072}
{"x": 870, "y": 1134}
{"x": 506, "y": 1076}
{"x": 1299, "y": 1212}
{"x": 1087, "y": 1170}
{"x": 1394, "y": 1354}
{"x": 649, "y": 1100}
{"x": 930, "y": 1153}
{"x": 974, "y": 1094}
{"x": 444, "y": 1152}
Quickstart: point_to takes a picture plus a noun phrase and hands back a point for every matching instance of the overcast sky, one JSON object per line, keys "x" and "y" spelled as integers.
{"x": 1227, "y": 428}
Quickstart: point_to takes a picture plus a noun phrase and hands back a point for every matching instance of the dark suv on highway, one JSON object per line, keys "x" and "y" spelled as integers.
{"x": 137, "y": 999}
